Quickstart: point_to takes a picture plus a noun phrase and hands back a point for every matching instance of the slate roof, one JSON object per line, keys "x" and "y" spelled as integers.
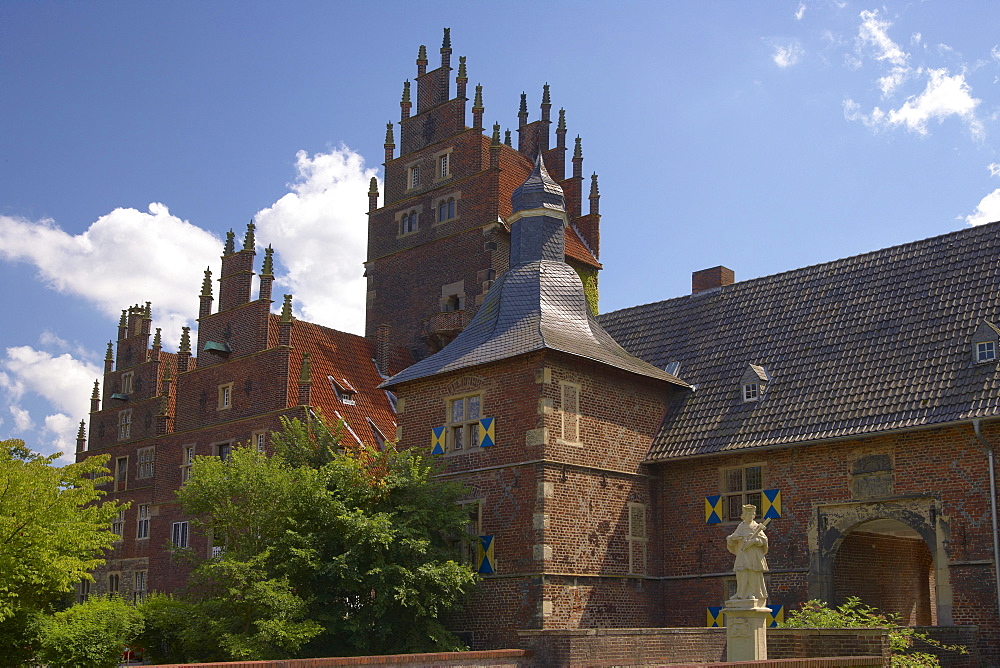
{"x": 348, "y": 358}
{"x": 534, "y": 306}
{"x": 862, "y": 345}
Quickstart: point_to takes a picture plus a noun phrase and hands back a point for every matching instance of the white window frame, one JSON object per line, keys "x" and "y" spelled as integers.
{"x": 225, "y": 396}
{"x": 142, "y": 522}
{"x": 738, "y": 489}
{"x": 139, "y": 588}
{"x": 463, "y": 432}
{"x": 187, "y": 458}
{"x": 569, "y": 411}
{"x": 444, "y": 165}
{"x": 145, "y": 462}
{"x": 179, "y": 534}
{"x": 259, "y": 440}
{"x": 986, "y": 351}
{"x": 412, "y": 177}
{"x": 118, "y": 525}
{"x": 125, "y": 424}
{"x": 751, "y": 392}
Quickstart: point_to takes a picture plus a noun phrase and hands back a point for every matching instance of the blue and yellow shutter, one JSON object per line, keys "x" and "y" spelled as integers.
{"x": 713, "y": 509}
{"x": 771, "y": 500}
{"x": 775, "y": 615}
{"x": 484, "y": 560}
{"x": 487, "y": 432}
{"x": 437, "y": 441}
{"x": 715, "y": 619}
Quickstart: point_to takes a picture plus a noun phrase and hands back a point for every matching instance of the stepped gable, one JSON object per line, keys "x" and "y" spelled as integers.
{"x": 346, "y": 357}
{"x": 539, "y": 303}
{"x": 862, "y": 345}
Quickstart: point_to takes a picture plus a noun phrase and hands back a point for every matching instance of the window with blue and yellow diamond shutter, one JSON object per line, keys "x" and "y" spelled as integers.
{"x": 485, "y": 561}
{"x": 437, "y": 441}
{"x": 487, "y": 432}
{"x": 775, "y": 615}
{"x": 713, "y": 509}
{"x": 771, "y": 501}
{"x": 714, "y": 617}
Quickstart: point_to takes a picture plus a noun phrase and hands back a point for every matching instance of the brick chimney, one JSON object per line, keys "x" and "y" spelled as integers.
{"x": 716, "y": 277}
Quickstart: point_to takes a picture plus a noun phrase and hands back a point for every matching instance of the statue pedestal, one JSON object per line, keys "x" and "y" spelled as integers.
{"x": 746, "y": 629}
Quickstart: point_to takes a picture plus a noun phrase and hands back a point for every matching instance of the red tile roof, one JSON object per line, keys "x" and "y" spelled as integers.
{"x": 577, "y": 250}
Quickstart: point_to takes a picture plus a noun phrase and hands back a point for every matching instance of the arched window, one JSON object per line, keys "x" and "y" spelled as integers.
{"x": 408, "y": 222}
{"x": 446, "y": 209}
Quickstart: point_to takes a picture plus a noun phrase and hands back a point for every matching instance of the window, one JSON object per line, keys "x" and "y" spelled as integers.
{"x": 142, "y": 522}
{"x": 413, "y": 178}
{"x": 186, "y": 461}
{"x": 446, "y": 209}
{"x": 741, "y": 486}
{"x": 259, "y": 440}
{"x": 754, "y": 382}
{"x": 463, "y": 422}
{"x": 126, "y": 383}
{"x": 637, "y": 538}
{"x": 125, "y": 425}
{"x": 139, "y": 591}
{"x": 118, "y": 524}
{"x": 121, "y": 473}
{"x": 408, "y": 222}
{"x": 751, "y": 392}
{"x": 145, "y": 457}
{"x": 114, "y": 583}
{"x": 444, "y": 166}
{"x": 179, "y": 534}
{"x": 469, "y": 547}
{"x": 225, "y": 396}
{"x": 343, "y": 389}
{"x": 223, "y": 450}
{"x": 986, "y": 351}
{"x": 570, "y": 413}
{"x": 84, "y": 591}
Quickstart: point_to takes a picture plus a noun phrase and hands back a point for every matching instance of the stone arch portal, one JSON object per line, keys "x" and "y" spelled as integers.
{"x": 889, "y": 553}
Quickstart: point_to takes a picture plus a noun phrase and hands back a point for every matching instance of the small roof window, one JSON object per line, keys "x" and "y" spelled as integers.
{"x": 753, "y": 383}
{"x": 985, "y": 343}
{"x": 344, "y": 390}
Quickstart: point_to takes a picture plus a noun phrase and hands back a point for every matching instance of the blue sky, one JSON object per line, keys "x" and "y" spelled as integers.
{"x": 761, "y": 136}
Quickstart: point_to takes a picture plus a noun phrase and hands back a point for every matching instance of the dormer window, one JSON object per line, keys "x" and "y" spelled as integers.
{"x": 343, "y": 389}
{"x": 754, "y": 383}
{"x": 985, "y": 342}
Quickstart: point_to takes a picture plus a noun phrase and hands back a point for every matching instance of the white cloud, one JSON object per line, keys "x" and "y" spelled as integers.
{"x": 988, "y": 210}
{"x": 874, "y": 33}
{"x": 916, "y": 38}
{"x": 786, "y": 55}
{"x": 125, "y": 257}
{"x": 893, "y": 80}
{"x": 22, "y": 419}
{"x": 800, "y": 11}
{"x": 320, "y": 230}
{"x": 994, "y": 169}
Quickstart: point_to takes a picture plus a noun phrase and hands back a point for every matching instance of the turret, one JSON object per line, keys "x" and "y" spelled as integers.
{"x": 95, "y": 398}
{"x": 285, "y": 323}
{"x": 372, "y": 194}
{"x": 462, "y": 80}
{"x": 538, "y": 220}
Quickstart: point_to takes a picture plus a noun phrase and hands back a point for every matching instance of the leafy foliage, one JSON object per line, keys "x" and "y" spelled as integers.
{"x": 326, "y": 552}
{"x": 855, "y": 614}
{"x": 93, "y": 633}
{"x": 51, "y": 530}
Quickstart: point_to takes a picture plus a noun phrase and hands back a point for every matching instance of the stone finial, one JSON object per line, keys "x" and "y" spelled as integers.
{"x": 123, "y": 321}
{"x": 305, "y": 373}
{"x": 167, "y": 373}
{"x": 406, "y": 92}
{"x": 461, "y": 68}
{"x": 373, "y": 186}
{"x": 96, "y": 394}
{"x": 148, "y": 311}
{"x": 507, "y": 139}
{"x": 82, "y": 431}
{"x": 206, "y": 283}
{"x": 389, "y": 138}
{"x": 230, "y": 246}
{"x": 594, "y": 190}
{"x": 248, "y": 240}
{"x": 109, "y": 355}
{"x": 561, "y": 124}
{"x": 578, "y": 149}
{"x": 268, "y": 268}
{"x": 496, "y": 134}
{"x": 185, "y": 347}
{"x": 156, "y": 339}
{"x": 545, "y": 94}
{"x": 446, "y": 42}
{"x": 422, "y": 53}
{"x": 477, "y": 103}
{"x": 522, "y": 113}
{"x": 286, "y": 309}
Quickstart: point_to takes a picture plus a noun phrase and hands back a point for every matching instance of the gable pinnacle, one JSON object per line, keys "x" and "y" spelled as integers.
{"x": 185, "y": 347}
{"x": 268, "y": 268}
{"x": 108, "y": 355}
{"x": 496, "y": 134}
{"x": 373, "y": 186}
{"x": 446, "y": 42}
{"x": 506, "y": 139}
{"x": 148, "y": 312}
{"x": 524, "y": 105}
{"x": 206, "y": 284}
{"x": 124, "y": 321}
{"x": 96, "y": 393}
{"x": 578, "y": 149}
{"x": 545, "y": 94}
{"x": 406, "y": 92}
{"x": 248, "y": 240}
{"x": 305, "y": 373}
{"x": 389, "y": 138}
{"x": 230, "y": 246}
{"x": 422, "y": 53}
{"x": 477, "y": 103}
{"x": 594, "y": 190}
{"x": 286, "y": 309}
{"x": 461, "y": 68}
{"x": 82, "y": 431}
{"x": 156, "y": 339}
{"x": 561, "y": 125}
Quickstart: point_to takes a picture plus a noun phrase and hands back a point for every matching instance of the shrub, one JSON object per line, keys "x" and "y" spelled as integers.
{"x": 92, "y": 634}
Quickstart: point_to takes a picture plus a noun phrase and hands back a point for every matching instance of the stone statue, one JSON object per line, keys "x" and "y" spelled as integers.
{"x": 749, "y": 544}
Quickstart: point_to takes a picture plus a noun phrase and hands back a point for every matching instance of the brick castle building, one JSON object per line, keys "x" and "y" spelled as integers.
{"x": 606, "y": 456}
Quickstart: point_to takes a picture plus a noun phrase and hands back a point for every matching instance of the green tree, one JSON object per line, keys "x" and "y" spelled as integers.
{"x": 93, "y": 633}
{"x": 326, "y": 551}
{"x": 855, "y": 614}
{"x": 52, "y": 530}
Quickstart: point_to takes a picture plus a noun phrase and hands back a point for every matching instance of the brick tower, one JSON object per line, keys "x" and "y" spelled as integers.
{"x": 441, "y": 236}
